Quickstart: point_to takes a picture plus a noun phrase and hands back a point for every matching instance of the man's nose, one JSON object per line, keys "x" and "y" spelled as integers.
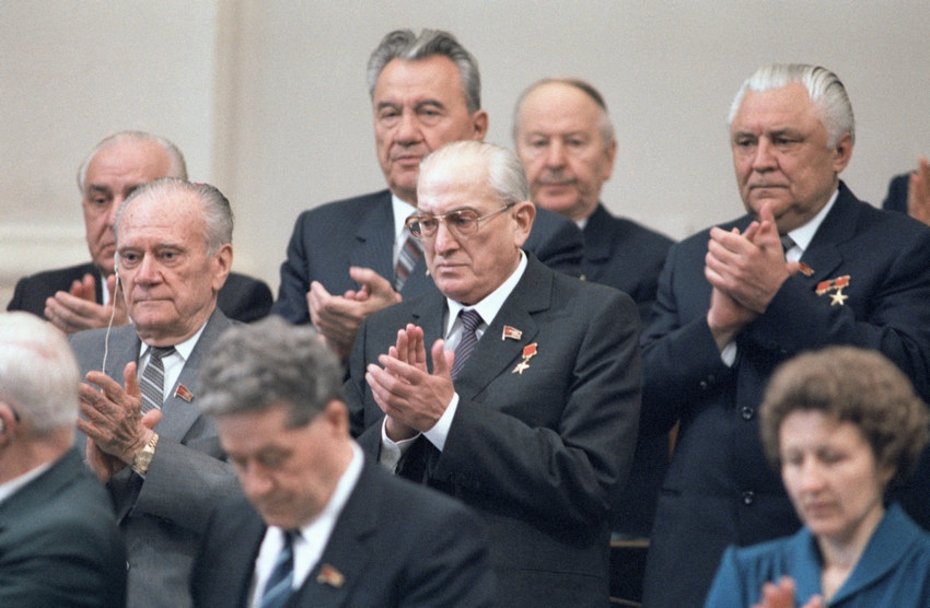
{"x": 764, "y": 158}
{"x": 555, "y": 155}
{"x": 408, "y": 129}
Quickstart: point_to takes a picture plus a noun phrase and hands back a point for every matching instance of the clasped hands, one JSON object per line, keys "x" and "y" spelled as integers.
{"x": 338, "y": 318}
{"x": 746, "y": 270}
{"x": 412, "y": 398}
{"x": 113, "y": 421}
{"x": 77, "y": 309}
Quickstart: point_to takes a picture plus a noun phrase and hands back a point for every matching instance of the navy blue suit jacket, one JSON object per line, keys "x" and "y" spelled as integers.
{"x": 359, "y": 231}
{"x": 629, "y": 257}
{"x": 540, "y": 454}
{"x": 242, "y": 298}
{"x": 720, "y": 490}
{"x": 395, "y": 544}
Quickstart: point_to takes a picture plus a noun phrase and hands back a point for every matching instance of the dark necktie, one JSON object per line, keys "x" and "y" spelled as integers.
{"x": 470, "y": 322}
{"x": 409, "y": 255}
{"x": 152, "y": 383}
{"x": 787, "y": 243}
{"x": 278, "y": 588}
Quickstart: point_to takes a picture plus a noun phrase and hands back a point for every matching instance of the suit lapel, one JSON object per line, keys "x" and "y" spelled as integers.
{"x": 344, "y": 562}
{"x": 823, "y": 254}
{"x": 181, "y": 413}
{"x": 374, "y": 245}
{"x": 494, "y": 355}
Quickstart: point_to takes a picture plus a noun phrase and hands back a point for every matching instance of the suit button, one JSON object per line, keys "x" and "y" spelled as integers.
{"x": 747, "y": 412}
{"x": 749, "y": 497}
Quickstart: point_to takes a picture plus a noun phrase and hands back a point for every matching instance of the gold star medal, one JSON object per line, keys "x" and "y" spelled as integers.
{"x": 528, "y": 353}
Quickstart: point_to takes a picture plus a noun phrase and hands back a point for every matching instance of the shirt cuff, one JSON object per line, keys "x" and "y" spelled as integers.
{"x": 728, "y": 354}
{"x": 440, "y": 431}
{"x": 391, "y": 451}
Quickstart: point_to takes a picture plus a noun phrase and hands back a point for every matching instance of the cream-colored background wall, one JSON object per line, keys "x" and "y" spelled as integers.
{"x": 268, "y": 99}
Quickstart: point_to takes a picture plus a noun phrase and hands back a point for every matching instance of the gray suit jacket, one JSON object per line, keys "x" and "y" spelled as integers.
{"x": 164, "y": 515}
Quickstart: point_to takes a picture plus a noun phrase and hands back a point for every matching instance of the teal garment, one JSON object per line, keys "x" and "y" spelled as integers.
{"x": 894, "y": 569}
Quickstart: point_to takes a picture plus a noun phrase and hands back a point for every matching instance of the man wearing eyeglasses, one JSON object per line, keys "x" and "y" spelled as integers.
{"x": 350, "y": 258}
{"x": 526, "y": 404}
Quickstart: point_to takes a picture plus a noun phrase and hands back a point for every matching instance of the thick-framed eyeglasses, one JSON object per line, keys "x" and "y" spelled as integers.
{"x": 462, "y": 222}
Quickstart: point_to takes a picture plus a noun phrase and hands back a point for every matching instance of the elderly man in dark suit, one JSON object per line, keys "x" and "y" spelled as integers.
{"x": 737, "y": 300}
{"x": 565, "y": 140}
{"x": 350, "y": 258}
{"x": 81, "y": 297}
{"x": 160, "y": 457}
{"x": 532, "y": 421}
{"x": 59, "y": 544}
{"x": 354, "y": 536}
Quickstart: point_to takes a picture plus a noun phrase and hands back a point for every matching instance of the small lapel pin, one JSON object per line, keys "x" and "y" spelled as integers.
{"x": 806, "y": 270}
{"x": 184, "y": 393}
{"x": 528, "y": 353}
{"x": 511, "y": 332}
{"x": 330, "y": 576}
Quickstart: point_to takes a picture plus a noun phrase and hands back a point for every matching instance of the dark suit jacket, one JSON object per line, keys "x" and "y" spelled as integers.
{"x": 59, "y": 545}
{"x": 541, "y": 454}
{"x": 163, "y": 516}
{"x": 629, "y": 257}
{"x": 242, "y": 298}
{"x": 896, "y": 199}
{"x": 719, "y": 489}
{"x": 397, "y": 545}
{"x": 359, "y": 231}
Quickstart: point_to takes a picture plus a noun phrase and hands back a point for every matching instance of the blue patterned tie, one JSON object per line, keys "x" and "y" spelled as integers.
{"x": 152, "y": 383}
{"x": 470, "y": 322}
{"x": 278, "y": 588}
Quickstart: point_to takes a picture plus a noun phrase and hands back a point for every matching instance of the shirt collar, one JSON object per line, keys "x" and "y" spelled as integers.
{"x": 401, "y": 211}
{"x": 11, "y": 487}
{"x": 184, "y": 349}
{"x": 803, "y": 236}
{"x": 492, "y": 303}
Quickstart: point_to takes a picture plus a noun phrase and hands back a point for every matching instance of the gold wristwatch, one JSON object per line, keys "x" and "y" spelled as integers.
{"x": 143, "y": 458}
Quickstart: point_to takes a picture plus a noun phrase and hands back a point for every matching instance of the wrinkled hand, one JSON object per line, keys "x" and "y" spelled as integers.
{"x": 412, "y": 398}
{"x": 338, "y": 318}
{"x": 918, "y": 192}
{"x": 77, "y": 309}
{"x": 781, "y": 595}
{"x": 113, "y": 422}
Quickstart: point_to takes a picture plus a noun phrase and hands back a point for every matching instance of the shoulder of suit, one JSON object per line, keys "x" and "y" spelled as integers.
{"x": 355, "y": 204}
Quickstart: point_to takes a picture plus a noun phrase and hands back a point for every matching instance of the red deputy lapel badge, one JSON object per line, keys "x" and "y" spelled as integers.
{"x": 835, "y": 288}
{"x": 330, "y": 576}
{"x": 511, "y": 332}
{"x": 806, "y": 270}
{"x": 184, "y": 393}
{"x": 528, "y": 353}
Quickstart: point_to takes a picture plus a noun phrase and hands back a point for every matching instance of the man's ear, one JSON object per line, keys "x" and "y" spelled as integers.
{"x": 223, "y": 261}
{"x": 8, "y": 423}
{"x": 523, "y": 213}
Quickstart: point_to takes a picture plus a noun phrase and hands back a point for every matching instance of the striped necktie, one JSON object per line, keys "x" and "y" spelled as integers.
{"x": 409, "y": 255}
{"x": 470, "y": 322}
{"x": 279, "y": 586}
{"x": 152, "y": 383}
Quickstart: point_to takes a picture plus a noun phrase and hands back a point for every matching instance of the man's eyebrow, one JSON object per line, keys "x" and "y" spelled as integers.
{"x": 429, "y": 102}
{"x": 96, "y": 188}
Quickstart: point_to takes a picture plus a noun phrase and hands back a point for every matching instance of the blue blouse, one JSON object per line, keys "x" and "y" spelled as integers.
{"x": 893, "y": 571}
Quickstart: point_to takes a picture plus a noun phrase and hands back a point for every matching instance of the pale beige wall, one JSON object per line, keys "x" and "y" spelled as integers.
{"x": 268, "y": 99}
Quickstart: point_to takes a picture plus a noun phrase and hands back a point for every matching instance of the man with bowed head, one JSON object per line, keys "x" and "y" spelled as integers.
{"x": 160, "y": 457}
{"x": 350, "y": 258}
{"x": 84, "y": 296}
{"x": 346, "y": 533}
{"x": 512, "y": 387}
{"x": 738, "y": 299}
{"x": 59, "y": 544}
